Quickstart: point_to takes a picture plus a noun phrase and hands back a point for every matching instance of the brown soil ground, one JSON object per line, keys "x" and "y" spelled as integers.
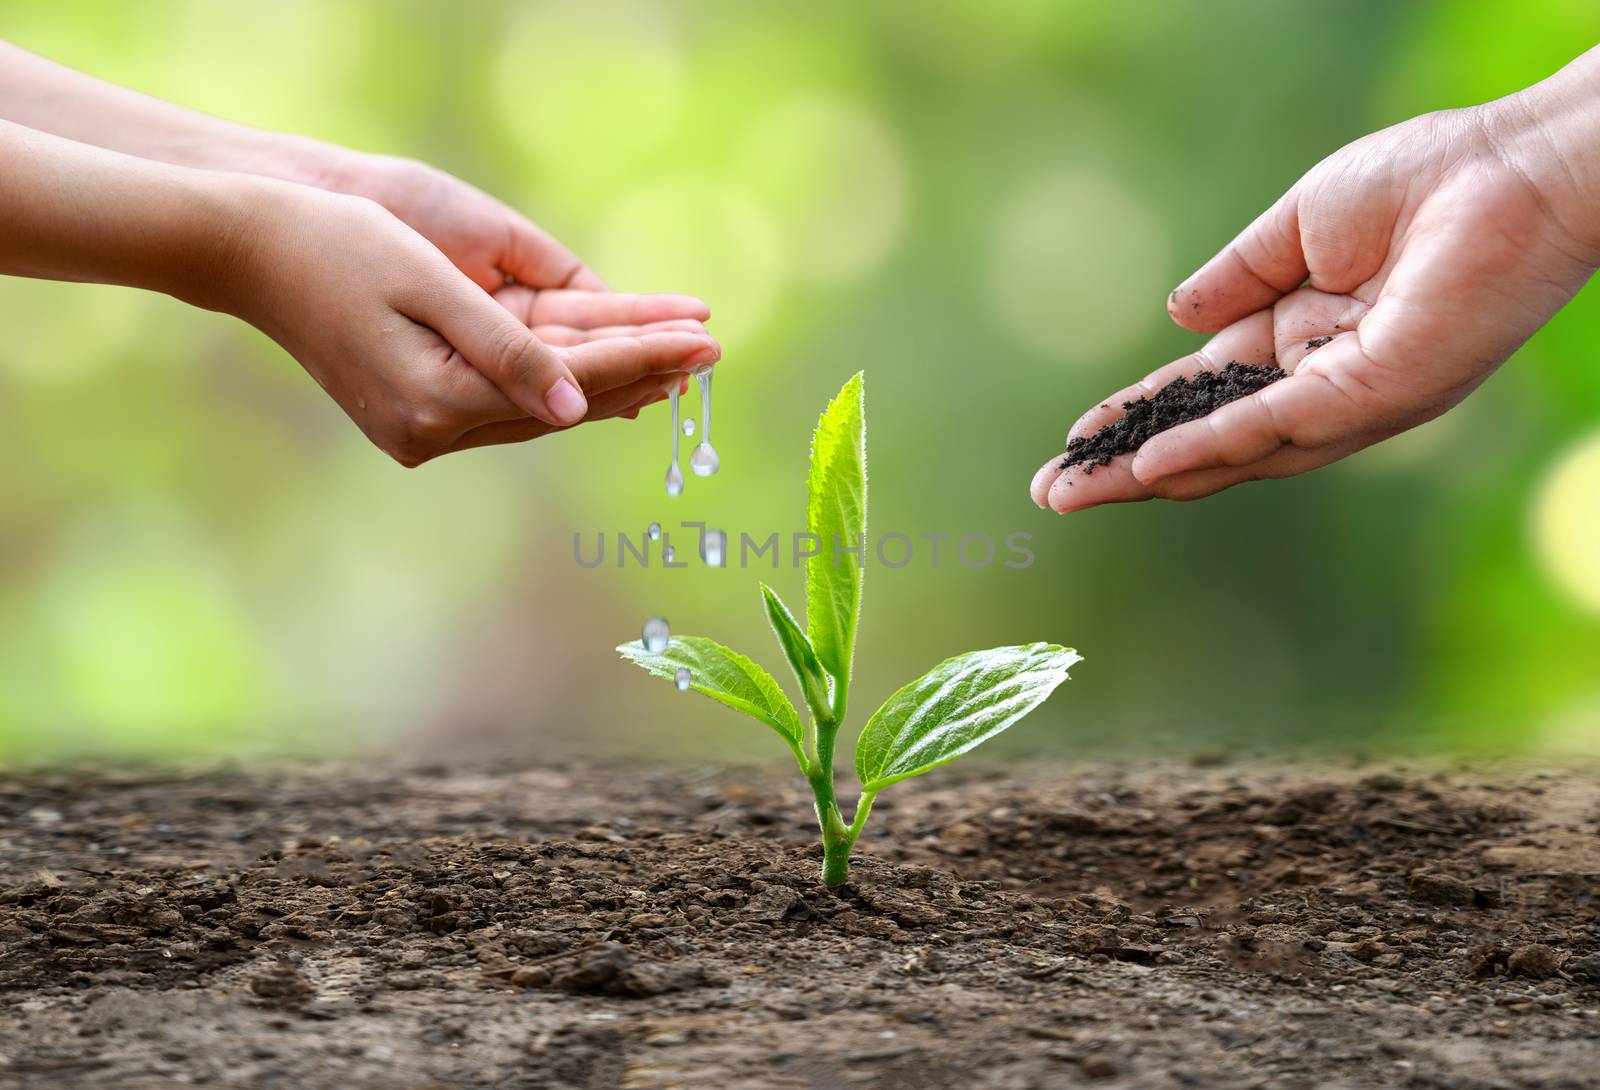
{"x": 1228, "y": 927}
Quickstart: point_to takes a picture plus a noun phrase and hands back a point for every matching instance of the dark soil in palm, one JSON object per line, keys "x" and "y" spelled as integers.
{"x": 1178, "y": 927}
{"x": 1178, "y": 402}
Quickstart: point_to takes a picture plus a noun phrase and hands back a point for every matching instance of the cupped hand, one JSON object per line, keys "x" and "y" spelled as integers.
{"x": 1389, "y": 282}
{"x": 421, "y": 358}
{"x": 490, "y": 242}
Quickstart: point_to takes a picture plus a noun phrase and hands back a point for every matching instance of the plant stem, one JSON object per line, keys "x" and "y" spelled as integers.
{"x": 837, "y": 837}
{"x": 863, "y": 808}
{"x": 835, "y": 863}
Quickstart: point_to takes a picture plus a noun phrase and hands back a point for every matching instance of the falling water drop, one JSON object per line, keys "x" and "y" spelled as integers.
{"x": 656, "y": 634}
{"x": 703, "y": 460}
{"x": 654, "y": 531}
{"x": 688, "y": 427}
{"x": 674, "y": 474}
{"x": 683, "y": 678}
{"x": 713, "y": 547}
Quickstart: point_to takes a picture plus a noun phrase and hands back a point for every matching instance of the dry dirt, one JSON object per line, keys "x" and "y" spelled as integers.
{"x": 1226, "y": 927}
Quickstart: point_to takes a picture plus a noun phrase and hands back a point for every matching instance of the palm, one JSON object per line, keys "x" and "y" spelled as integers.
{"x": 486, "y": 240}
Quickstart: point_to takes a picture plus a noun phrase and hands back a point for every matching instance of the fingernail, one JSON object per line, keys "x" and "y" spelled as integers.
{"x": 565, "y": 403}
{"x": 705, "y": 355}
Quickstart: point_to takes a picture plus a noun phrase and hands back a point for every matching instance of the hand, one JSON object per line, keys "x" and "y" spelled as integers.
{"x": 501, "y": 251}
{"x": 1389, "y": 281}
{"x": 488, "y": 241}
{"x": 423, "y": 360}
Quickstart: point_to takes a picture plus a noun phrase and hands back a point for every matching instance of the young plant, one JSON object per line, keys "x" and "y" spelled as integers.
{"x": 952, "y": 708}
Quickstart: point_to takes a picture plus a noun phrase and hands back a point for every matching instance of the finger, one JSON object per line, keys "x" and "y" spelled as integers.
{"x": 587, "y": 309}
{"x": 535, "y": 377}
{"x": 1330, "y": 399}
{"x": 471, "y": 400}
{"x": 654, "y": 397}
{"x": 535, "y": 258}
{"x": 603, "y": 366}
{"x": 569, "y": 335}
{"x": 625, "y": 402}
{"x": 587, "y": 280}
{"x": 615, "y": 361}
{"x": 1078, "y": 488}
{"x": 1263, "y": 263}
{"x": 1284, "y": 462}
{"x": 1246, "y": 341}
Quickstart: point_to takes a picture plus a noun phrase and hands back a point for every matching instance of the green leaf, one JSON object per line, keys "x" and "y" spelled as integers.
{"x": 797, "y": 649}
{"x": 726, "y": 677}
{"x": 836, "y": 512}
{"x": 955, "y": 706}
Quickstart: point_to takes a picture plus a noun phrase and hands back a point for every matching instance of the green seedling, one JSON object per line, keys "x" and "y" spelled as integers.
{"x": 954, "y": 707}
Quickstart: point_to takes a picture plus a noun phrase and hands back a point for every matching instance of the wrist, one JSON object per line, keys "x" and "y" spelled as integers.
{"x": 283, "y": 156}
{"x": 1549, "y": 134}
{"x": 378, "y": 178}
{"x": 238, "y": 221}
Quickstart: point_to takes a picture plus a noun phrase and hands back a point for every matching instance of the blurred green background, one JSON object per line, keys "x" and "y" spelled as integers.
{"x": 983, "y": 205}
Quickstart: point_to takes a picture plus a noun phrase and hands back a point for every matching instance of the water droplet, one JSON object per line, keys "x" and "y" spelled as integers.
{"x": 688, "y": 427}
{"x": 654, "y": 531}
{"x": 674, "y": 474}
{"x": 683, "y": 678}
{"x": 656, "y": 634}
{"x": 668, "y": 553}
{"x": 713, "y": 547}
{"x": 704, "y": 460}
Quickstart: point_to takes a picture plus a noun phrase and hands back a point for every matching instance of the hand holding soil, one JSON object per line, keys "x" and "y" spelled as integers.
{"x": 1388, "y": 283}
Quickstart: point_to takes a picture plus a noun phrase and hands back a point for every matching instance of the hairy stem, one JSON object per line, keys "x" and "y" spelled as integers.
{"x": 837, "y": 837}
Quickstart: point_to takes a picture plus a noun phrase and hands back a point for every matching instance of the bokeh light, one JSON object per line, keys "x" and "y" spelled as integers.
{"x": 1078, "y": 266}
{"x": 834, "y": 178}
{"x": 701, "y": 236}
{"x": 588, "y": 90}
{"x": 1566, "y": 522}
{"x": 1575, "y": 730}
{"x": 289, "y": 66}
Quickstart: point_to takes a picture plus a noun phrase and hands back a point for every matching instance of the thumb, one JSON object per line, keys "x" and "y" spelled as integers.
{"x": 534, "y": 257}
{"x": 531, "y": 374}
{"x": 1253, "y": 271}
